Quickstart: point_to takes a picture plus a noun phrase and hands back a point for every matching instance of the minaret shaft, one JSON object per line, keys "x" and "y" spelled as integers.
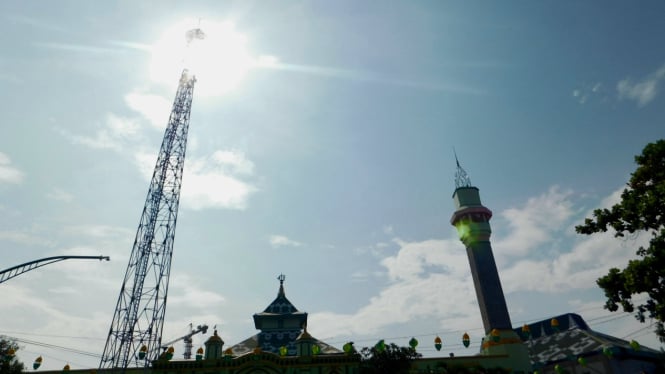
{"x": 471, "y": 219}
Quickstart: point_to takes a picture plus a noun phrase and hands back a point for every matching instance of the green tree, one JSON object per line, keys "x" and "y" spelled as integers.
{"x": 641, "y": 210}
{"x": 389, "y": 359}
{"x": 9, "y": 364}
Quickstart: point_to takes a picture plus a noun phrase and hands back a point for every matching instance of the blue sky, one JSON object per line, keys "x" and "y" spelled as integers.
{"x": 331, "y": 161}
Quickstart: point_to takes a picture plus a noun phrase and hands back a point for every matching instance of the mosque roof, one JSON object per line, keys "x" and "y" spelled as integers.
{"x": 573, "y": 338}
{"x": 281, "y": 305}
{"x": 248, "y": 345}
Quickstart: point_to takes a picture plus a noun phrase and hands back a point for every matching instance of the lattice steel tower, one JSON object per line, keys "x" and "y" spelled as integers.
{"x": 136, "y": 330}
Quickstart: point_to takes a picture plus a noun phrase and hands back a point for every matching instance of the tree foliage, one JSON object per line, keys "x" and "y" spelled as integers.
{"x": 9, "y": 364}
{"x": 391, "y": 359}
{"x": 641, "y": 210}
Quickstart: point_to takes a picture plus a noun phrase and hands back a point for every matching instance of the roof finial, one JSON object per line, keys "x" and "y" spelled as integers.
{"x": 461, "y": 177}
{"x": 281, "y": 279}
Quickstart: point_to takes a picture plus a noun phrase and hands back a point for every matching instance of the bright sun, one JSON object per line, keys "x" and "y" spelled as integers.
{"x": 219, "y": 61}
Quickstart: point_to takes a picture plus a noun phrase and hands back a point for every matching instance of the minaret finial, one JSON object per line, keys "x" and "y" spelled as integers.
{"x": 461, "y": 177}
{"x": 281, "y": 279}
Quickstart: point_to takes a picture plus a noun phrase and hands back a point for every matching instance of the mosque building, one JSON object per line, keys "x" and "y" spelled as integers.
{"x": 284, "y": 346}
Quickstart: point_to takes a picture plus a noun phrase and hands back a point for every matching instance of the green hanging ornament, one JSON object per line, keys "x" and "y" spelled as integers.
{"x": 37, "y": 363}
{"x": 142, "y": 351}
{"x": 316, "y": 349}
{"x": 635, "y": 345}
{"x": 283, "y": 351}
{"x": 348, "y": 348}
{"x": 413, "y": 343}
{"x": 582, "y": 361}
{"x": 607, "y": 351}
{"x": 437, "y": 343}
{"x": 466, "y": 340}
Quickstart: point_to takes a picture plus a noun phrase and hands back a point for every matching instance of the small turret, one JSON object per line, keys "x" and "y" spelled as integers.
{"x": 214, "y": 347}
{"x": 305, "y": 343}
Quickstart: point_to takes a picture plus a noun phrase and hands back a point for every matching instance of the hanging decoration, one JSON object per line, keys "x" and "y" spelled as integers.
{"x": 526, "y": 331}
{"x": 437, "y": 343}
{"x": 228, "y": 354}
{"x": 37, "y": 363}
{"x": 495, "y": 335}
{"x": 142, "y": 351}
{"x": 555, "y": 324}
{"x": 413, "y": 343}
{"x": 558, "y": 369}
{"x": 316, "y": 349}
{"x": 348, "y": 348}
{"x": 582, "y": 361}
{"x": 466, "y": 340}
{"x": 635, "y": 345}
{"x": 283, "y": 351}
{"x": 169, "y": 353}
{"x": 199, "y": 354}
{"x": 607, "y": 351}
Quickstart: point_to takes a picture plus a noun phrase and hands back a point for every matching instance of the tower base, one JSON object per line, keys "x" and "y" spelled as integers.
{"x": 508, "y": 343}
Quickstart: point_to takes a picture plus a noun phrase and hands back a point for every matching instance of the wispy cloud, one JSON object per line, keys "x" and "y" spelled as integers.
{"x": 585, "y": 92}
{"x": 60, "y": 195}
{"x": 78, "y": 48}
{"x": 277, "y": 241}
{"x": 154, "y": 108}
{"x": 34, "y": 23}
{"x": 112, "y": 134}
{"x": 367, "y": 76}
{"x": 132, "y": 45}
{"x": 643, "y": 91}
{"x": 9, "y": 173}
{"x": 25, "y": 237}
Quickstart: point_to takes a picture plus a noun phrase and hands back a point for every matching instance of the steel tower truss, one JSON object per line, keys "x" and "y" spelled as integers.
{"x": 139, "y": 313}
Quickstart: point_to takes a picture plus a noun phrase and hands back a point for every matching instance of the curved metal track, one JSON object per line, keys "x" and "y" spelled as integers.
{"x": 17, "y": 270}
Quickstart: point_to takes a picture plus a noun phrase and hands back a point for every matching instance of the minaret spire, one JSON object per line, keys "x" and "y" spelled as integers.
{"x": 461, "y": 177}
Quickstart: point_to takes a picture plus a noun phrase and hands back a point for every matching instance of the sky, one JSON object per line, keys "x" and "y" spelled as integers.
{"x": 321, "y": 146}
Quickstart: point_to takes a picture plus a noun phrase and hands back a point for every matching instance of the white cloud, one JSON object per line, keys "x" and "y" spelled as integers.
{"x": 234, "y": 161}
{"x": 214, "y": 182}
{"x": 535, "y": 223}
{"x": 588, "y": 258}
{"x": 419, "y": 274}
{"x": 60, "y": 195}
{"x": 187, "y": 290}
{"x": 25, "y": 237}
{"x": 156, "y": 109}
{"x": 643, "y": 91}
{"x": 8, "y": 173}
{"x": 113, "y": 134}
{"x": 277, "y": 241}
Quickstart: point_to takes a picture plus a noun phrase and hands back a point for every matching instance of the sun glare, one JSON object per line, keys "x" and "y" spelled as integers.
{"x": 219, "y": 61}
